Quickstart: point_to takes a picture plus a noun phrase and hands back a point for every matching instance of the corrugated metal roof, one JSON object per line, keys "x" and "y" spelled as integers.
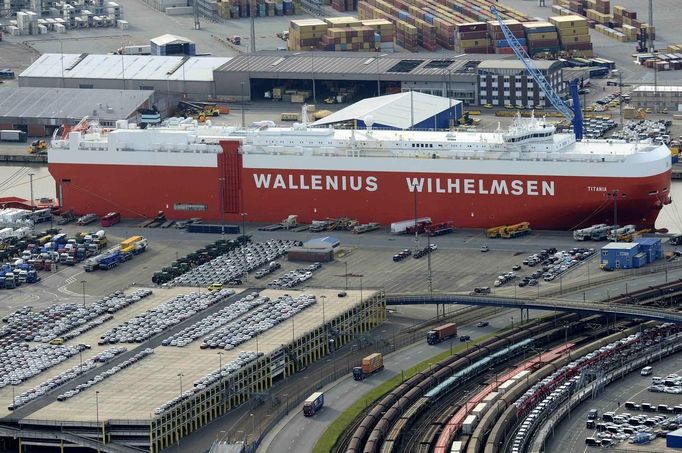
{"x": 74, "y": 103}
{"x": 166, "y": 39}
{"x": 515, "y": 64}
{"x": 393, "y": 110}
{"x": 659, "y": 88}
{"x": 347, "y": 63}
{"x": 133, "y": 67}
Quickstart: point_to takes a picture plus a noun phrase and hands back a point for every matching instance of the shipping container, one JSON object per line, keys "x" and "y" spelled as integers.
{"x": 9, "y": 135}
{"x": 441, "y": 333}
{"x": 469, "y": 424}
{"x": 212, "y": 228}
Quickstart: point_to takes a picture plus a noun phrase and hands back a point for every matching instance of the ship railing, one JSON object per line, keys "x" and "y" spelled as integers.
{"x": 438, "y": 153}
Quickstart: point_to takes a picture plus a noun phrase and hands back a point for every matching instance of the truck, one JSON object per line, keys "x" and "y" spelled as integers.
{"x": 619, "y": 233}
{"x": 401, "y": 226}
{"x": 110, "y": 261}
{"x": 371, "y": 364}
{"x": 10, "y": 282}
{"x": 135, "y": 50}
{"x": 313, "y": 403}
{"x": 585, "y": 234}
{"x": 86, "y": 219}
{"x": 110, "y": 219}
{"x": 441, "y": 333}
{"x": 10, "y": 135}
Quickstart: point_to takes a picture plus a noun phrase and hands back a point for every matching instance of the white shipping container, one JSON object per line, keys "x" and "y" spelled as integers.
{"x": 521, "y": 375}
{"x": 457, "y": 447}
{"x": 14, "y": 31}
{"x": 42, "y": 30}
{"x": 491, "y": 397}
{"x": 505, "y": 386}
{"x": 59, "y": 28}
{"x": 401, "y": 226}
{"x": 479, "y": 409}
{"x": 469, "y": 424}
{"x": 122, "y": 24}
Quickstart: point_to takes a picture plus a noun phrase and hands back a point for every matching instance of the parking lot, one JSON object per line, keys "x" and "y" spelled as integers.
{"x": 571, "y": 434}
{"x": 135, "y": 392}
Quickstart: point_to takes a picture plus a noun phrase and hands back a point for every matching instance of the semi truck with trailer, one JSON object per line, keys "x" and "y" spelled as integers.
{"x": 313, "y": 403}
{"x": 441, "y": 333}
{"x": 371, "y": 364}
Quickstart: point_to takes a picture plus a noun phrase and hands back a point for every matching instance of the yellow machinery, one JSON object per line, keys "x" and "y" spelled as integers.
{"x": 508, "y": 231}
{"x": 629, "y": 237}
{"x": 38, "y": 147}
{"x": 516, "y": 230}
{"x": 494, "y": 232}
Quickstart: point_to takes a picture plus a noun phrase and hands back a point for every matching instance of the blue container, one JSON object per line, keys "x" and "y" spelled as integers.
{"x": 428, "y": 18}
{"x": 403, "y": 15}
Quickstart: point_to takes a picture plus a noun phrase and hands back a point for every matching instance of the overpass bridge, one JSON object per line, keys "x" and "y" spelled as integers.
{"x": 622, "y": 310}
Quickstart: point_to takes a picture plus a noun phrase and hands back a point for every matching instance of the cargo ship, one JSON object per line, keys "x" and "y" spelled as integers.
{"x": 526, "y": 173}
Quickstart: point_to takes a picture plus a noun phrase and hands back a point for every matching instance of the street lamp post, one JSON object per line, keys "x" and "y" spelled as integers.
{"x": 180, "y": 375}
{"x": 220, "y": 354}
{"x": 222, "y": 207}
{"x": 242, "y": 105}
{"x": 30, "y": 176}
{"x": 246, "y": 272}
{"x": 97, "y": 416}
{"x": 83, "y": 282}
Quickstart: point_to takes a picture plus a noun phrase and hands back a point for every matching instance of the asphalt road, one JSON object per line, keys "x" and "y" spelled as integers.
{"x": 570, "y": 435}
{"x": 296, "y": 433}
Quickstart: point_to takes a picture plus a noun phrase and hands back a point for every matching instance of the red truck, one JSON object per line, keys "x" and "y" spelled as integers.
{"x": 371, "y": 364}
{"x": 441, "y": 333}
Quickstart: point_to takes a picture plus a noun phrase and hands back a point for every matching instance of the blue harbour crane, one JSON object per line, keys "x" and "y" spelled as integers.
{"x": 574, "y": 115}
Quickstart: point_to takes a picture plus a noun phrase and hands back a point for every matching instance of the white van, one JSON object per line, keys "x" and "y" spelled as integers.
{"x": 647, "y": 371}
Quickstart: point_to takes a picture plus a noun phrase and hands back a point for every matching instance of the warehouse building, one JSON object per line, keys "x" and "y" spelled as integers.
{"x": 172, "y": 45}
{"x": 507, "y": 82}
{"x": 174, "y": 76}
{"x": 362, "y": 74}
{"x": 409, "y": 110}
{"x": 39, "y": 111}
{"x": 657, "y": 97}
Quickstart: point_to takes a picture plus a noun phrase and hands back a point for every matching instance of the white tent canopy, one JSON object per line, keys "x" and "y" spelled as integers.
{"x": 401, "y": 111}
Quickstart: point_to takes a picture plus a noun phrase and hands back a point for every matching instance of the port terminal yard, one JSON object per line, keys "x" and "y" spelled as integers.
{"x": 369, "y": 273}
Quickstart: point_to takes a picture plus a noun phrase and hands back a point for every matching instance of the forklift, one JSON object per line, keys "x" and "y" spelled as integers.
{"x": 38, "y": 147}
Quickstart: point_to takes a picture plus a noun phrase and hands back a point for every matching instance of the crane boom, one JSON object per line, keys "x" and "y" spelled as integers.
{"x": 540, "y": 79}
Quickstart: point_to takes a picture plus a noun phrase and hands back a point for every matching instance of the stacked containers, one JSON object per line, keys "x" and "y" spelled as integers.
{"x": 349, "y": 38}
{"x": 473, "y": 38}
{"x": 305, "y": 34}
{"x": 382, "y": 27}
{"x": 542, "y": 37}
{"x": 574, "y": 36}
{"x": 498, "y": 39}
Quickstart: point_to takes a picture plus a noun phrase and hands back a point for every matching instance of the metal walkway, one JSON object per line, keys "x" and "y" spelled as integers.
{"x": 627, "y": 311}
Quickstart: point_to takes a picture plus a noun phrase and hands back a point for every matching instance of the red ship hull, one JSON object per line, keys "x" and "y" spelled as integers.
{"x": 470, "y": 201}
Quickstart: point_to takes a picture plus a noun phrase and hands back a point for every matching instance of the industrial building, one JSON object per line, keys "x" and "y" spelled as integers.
{"x": 657, "y": 97}
{"x": 299, "y": 76}
{"x": 631, "y": 255}
{"x": 172, "y": 75}
{"x": 39, "y": 111}
{"x": 508, "y": 83}
{"x": 408, "y": 110}
{"x": 326, "y": 73}
{"x": 168, "y": 44}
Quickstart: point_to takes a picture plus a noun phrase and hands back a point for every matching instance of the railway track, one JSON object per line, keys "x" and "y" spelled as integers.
{"x": 462, "y": 319}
